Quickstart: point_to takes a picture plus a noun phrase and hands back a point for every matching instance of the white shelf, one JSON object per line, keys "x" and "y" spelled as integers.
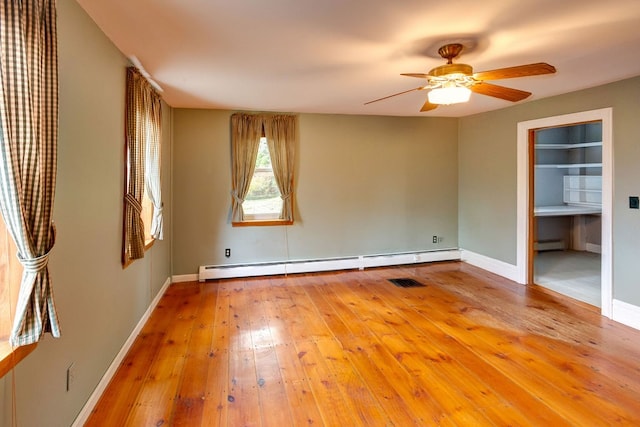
{"x": 566, "y": 210}
{"x": 569, "y": 166}
{"x": 582, "y": 196}
{"x": 568, "y": 146}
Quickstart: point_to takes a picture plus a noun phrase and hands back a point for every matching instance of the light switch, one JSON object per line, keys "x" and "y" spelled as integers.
{"x": 634, "y": 202}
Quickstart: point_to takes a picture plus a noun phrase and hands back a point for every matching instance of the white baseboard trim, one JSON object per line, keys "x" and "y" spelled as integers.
{"x": 627, "y": 314}
{"x": 184, "y": 278}
{"x": 327, "y": 264}
{"x": 592, "y": 247}
{"x": 495, "y": 266}
{"x": 83, "y": 416}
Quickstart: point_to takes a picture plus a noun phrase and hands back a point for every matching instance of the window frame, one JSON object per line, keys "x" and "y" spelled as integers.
{"x": 262, "y": 219}
{"x": 261, "y": 222}
{"x": 10, "y": 357}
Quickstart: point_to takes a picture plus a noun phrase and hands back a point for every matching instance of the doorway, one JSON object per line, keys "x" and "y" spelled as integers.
{"x": 567, "y": 205}
{"x": 586, "y": 187}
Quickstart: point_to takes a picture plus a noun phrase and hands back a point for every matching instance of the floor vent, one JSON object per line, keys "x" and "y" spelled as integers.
{"x": 406, "y": 283}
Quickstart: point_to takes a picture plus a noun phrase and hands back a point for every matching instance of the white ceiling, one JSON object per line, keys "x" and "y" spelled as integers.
{"x": 331, "y": 56}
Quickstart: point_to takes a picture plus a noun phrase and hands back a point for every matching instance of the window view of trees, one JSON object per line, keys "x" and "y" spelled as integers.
{"x": 263, "y": 197}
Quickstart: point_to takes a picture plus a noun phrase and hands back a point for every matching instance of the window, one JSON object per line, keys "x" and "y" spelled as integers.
{"x": 262, "y": 164}
{"x": 142, "y": 193}
{"x": 5, "y": 285}
{"x": 263, "y": 201}
{"x": 10, "y": 273}
{"x": 28, "y": 47}
{"x": 147, "y": 216}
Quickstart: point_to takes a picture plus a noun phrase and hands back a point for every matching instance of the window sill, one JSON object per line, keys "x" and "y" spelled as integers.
{"x": 147, "y": 246}
{"x": 149, "y": 243}
{"x": 10, "y": 357}
{"x": 261, "y": 223}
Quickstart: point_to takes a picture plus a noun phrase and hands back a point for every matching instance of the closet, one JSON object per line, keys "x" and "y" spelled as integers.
{"x": 567, "y": 209}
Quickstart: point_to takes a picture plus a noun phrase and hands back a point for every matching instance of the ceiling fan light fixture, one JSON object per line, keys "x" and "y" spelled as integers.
{"x": 452, "y": 83}
{"x": 449, "y": 95}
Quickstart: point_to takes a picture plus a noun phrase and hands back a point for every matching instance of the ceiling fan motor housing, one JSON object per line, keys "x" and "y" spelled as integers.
{"x": 447, "y": 69}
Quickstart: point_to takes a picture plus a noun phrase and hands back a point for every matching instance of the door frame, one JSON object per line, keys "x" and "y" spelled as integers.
{"x": 524, "y": 263}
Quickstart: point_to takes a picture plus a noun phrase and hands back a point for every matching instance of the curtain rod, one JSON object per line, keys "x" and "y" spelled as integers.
{"x": 136, "y": 63}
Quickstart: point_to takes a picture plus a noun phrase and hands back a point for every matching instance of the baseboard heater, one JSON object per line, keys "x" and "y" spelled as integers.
{"x": 550, "y": 245}
{"x": 227, "y": 271}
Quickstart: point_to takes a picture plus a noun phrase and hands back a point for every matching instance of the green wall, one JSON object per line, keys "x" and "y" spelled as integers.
{"x": 487, "y": 182}
{"x": 98, "y": 302}
{"x": 364, "y": 185}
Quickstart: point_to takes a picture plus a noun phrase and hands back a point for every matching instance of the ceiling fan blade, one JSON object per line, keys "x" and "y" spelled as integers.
{"x": 518, "y": 71}
{"x": 395, "y": 94}
{"x": 507, "y": 93}
{"x": 419, "y": 75}
{"x": 428, "y": 106}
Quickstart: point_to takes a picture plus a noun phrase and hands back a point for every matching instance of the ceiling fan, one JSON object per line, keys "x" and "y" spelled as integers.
{"x": 453, "y": 83}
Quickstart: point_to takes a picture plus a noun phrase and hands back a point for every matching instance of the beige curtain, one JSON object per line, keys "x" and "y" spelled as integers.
{"x": 28, "y": 155}
{"x": 281, "y": 132}
{"x": 152, "y": 164}
{"x": 246, "y": 130}
{"x": 138, "y": 96}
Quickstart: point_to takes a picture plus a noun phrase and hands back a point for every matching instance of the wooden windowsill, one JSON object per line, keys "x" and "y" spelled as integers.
{"x": 261, "y": 223}
{"x": 147, "y": 245}
{"x": 10, "y": 357}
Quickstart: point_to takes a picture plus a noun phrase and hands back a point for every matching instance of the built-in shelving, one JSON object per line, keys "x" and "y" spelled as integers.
{"x": 569, "y": 178}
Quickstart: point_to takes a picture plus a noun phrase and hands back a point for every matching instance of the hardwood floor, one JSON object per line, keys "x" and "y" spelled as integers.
{"x": 350, "y": 348}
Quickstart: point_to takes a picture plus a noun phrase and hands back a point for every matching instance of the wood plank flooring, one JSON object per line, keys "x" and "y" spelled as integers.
{"x": 350, "y": 349}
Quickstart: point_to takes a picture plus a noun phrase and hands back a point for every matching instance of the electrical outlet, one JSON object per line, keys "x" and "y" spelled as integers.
{"x": 634, "y": 202}
{"x": 435, "y": 239}
{"x": 227, "y": 252}
{"x": 71, "y": 376}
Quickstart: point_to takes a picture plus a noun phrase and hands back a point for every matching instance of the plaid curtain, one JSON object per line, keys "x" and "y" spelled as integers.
{"x": 28, "y": 155}
{"x": 136, "y": 132}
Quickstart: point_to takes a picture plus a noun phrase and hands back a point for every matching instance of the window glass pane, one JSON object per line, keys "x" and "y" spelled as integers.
{"x": 263, "y": 160}
{"x": 147, "y": 216}
{"x": 10, "y": 276}
{"x": 263, "y": 198}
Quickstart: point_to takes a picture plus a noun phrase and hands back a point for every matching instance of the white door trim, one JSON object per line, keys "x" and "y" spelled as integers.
{"x": 522, "y": 253}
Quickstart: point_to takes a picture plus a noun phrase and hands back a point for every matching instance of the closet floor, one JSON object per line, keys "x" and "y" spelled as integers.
{"x": 572, "y": 273}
